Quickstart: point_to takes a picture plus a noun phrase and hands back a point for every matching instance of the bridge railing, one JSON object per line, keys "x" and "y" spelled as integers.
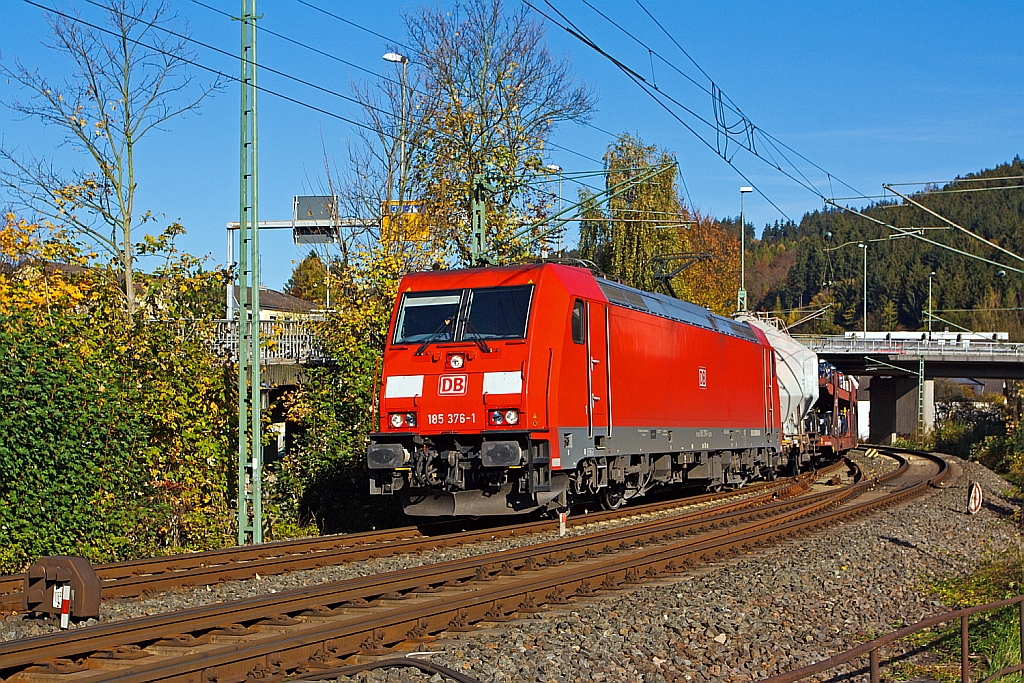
{"x": 281, "y": 341}
{"x": 923, "y": 347}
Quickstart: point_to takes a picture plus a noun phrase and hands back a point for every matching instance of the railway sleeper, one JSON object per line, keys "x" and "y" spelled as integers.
{"x": 465, "y": 611}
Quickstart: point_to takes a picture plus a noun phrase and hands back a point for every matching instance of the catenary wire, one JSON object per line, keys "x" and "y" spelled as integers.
{"x": 318, "y": 51}
{"x": 261, "y": 66}
{"x": 928, "y": 192}
{"x": 960, "y": 180}
{"x": 735, "y": 107}
{"x": 352, "y": 23}
{"x": 720, "y": 127}
{"x": 306, "y": 46}
{"x": 211, "y": 70}
{"x": 258, "y": 65}
{"x": 749, "y": 126}
{"x": 571, "y": 29}
{"x": 639, "y": 80}
{"x": 909, "y": 233}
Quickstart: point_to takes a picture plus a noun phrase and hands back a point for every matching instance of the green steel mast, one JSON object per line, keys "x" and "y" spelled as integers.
{"x": 250, "y": 448}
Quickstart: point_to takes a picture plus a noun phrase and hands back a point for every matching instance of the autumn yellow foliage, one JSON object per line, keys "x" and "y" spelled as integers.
{"x": 30, "y": 277}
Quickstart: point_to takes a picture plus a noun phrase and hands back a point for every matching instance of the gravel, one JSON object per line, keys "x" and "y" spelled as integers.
{"x": 23, "y": 626}
{"x": 752, "y": 616}
{"x": 738, "y": 620}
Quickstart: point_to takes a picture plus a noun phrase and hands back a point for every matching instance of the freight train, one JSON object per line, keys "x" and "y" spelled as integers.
{"x": 515, "y": 389}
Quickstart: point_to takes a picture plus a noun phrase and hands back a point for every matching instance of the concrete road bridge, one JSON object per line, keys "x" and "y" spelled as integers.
{"x": 899, "y": 374}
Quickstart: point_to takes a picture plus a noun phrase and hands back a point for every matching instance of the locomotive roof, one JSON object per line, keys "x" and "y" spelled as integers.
{"x": 675, "y": 309}
{"x": 618, "y": 294}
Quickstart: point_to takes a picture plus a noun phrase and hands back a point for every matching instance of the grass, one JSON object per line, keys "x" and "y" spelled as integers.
{"x": 994, "y": 636}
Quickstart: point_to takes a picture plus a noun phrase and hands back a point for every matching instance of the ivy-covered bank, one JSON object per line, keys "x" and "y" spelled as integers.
{"x": 116, "y": 431}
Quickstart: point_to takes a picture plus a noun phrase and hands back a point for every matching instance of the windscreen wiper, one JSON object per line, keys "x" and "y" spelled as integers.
{"x": 433, "y": 337}
{"x": 484, "y": 348}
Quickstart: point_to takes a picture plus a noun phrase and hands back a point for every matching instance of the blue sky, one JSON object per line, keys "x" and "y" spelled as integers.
{"x": 871, "y": 92}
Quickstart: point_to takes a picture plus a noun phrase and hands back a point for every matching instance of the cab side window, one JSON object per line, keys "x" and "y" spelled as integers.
{"x": 579, "y": 322}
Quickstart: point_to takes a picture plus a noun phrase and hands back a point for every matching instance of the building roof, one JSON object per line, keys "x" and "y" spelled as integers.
{"x": 273, "y": 300}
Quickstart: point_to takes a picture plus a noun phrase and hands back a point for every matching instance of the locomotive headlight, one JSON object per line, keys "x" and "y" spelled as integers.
{"x": 410, "y": 419}
{"x": 512, "y": 417}
{"x": 497, "y": 417}
{"x": 396, "y": 420}
{"x": 456, "y": 361}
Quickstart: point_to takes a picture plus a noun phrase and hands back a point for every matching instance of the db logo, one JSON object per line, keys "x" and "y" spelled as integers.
{"x": 452, "y": 385}
{"x": 702, "y": 377}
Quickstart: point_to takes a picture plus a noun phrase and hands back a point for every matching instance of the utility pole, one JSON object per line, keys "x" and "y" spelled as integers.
{"x": 250, "y": 444}
{"x": 741, "y": 295}
{"x": 920, "y": 427}
{"x": 482, "y": 186}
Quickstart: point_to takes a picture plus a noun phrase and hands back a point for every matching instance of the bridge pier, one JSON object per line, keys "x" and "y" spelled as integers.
{"x": 894, "y": 407}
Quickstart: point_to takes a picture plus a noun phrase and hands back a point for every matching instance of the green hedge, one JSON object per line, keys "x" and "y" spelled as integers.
{"x": 114, "y": 440}
{"x": 71, "y": 481}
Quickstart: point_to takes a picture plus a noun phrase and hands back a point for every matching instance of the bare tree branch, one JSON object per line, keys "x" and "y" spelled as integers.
{"x": 126, "y": 80}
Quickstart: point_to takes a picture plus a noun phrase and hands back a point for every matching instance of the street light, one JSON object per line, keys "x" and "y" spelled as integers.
{"x": 741, "y": 295}
{"x": 864, "y": 246}
{"x": 555, "y": 168}
{"x": 930, "y": 276}
{"x": 397, "y": 58}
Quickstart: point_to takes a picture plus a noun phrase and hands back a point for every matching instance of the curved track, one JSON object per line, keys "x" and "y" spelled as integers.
{"x": 322, "y": 627}
{"x": 138, "y": 577}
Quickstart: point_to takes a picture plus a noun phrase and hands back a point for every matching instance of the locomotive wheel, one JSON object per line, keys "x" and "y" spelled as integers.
{"x": 611, "y": 498}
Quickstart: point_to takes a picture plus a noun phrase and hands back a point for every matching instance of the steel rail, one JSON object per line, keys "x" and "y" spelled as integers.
{"x": 138, "y": 577}
{"x": 275, "y": 655}
{"x": 873, "y": 647}
{"x": 357, "y": 592}
{"x": 323, "y": 645}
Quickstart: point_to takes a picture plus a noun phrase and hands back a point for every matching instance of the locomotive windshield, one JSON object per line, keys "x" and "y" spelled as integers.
{"x": 464, "y": 315}
{"x": 498, "y": 313}
{"x": 426, "y": 315}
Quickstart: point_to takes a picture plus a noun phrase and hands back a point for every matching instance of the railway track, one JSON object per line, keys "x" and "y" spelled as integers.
{"x": 322, "y": 627}
{"x": 139, "y": 577}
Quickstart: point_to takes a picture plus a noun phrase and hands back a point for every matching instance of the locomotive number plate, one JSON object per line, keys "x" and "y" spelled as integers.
{"x": 451, "y": 418}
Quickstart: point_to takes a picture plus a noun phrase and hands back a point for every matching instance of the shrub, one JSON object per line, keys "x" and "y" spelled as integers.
{"x": 71, "y": 477}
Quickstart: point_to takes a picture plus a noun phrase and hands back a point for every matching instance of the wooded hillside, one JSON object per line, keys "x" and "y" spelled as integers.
{"x": 790, "y": 271}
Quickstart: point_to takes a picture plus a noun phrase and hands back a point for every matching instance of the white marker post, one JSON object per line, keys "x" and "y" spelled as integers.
{"x": 974, "y": 500}
{"x": 65, "y": 604}
{"x": 561, "y": 523}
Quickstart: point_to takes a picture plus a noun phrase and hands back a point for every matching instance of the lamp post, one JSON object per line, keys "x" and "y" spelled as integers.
{"x": 397, "y": 58}
{"x": 555, "y": 168}
{"x": 930, "y": 276}
{"x": 864, "y": 246}
{"x": 741, "y": 295}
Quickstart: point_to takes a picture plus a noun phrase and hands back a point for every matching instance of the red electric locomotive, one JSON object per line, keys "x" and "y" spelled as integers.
{"x": 512, "y": 389}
